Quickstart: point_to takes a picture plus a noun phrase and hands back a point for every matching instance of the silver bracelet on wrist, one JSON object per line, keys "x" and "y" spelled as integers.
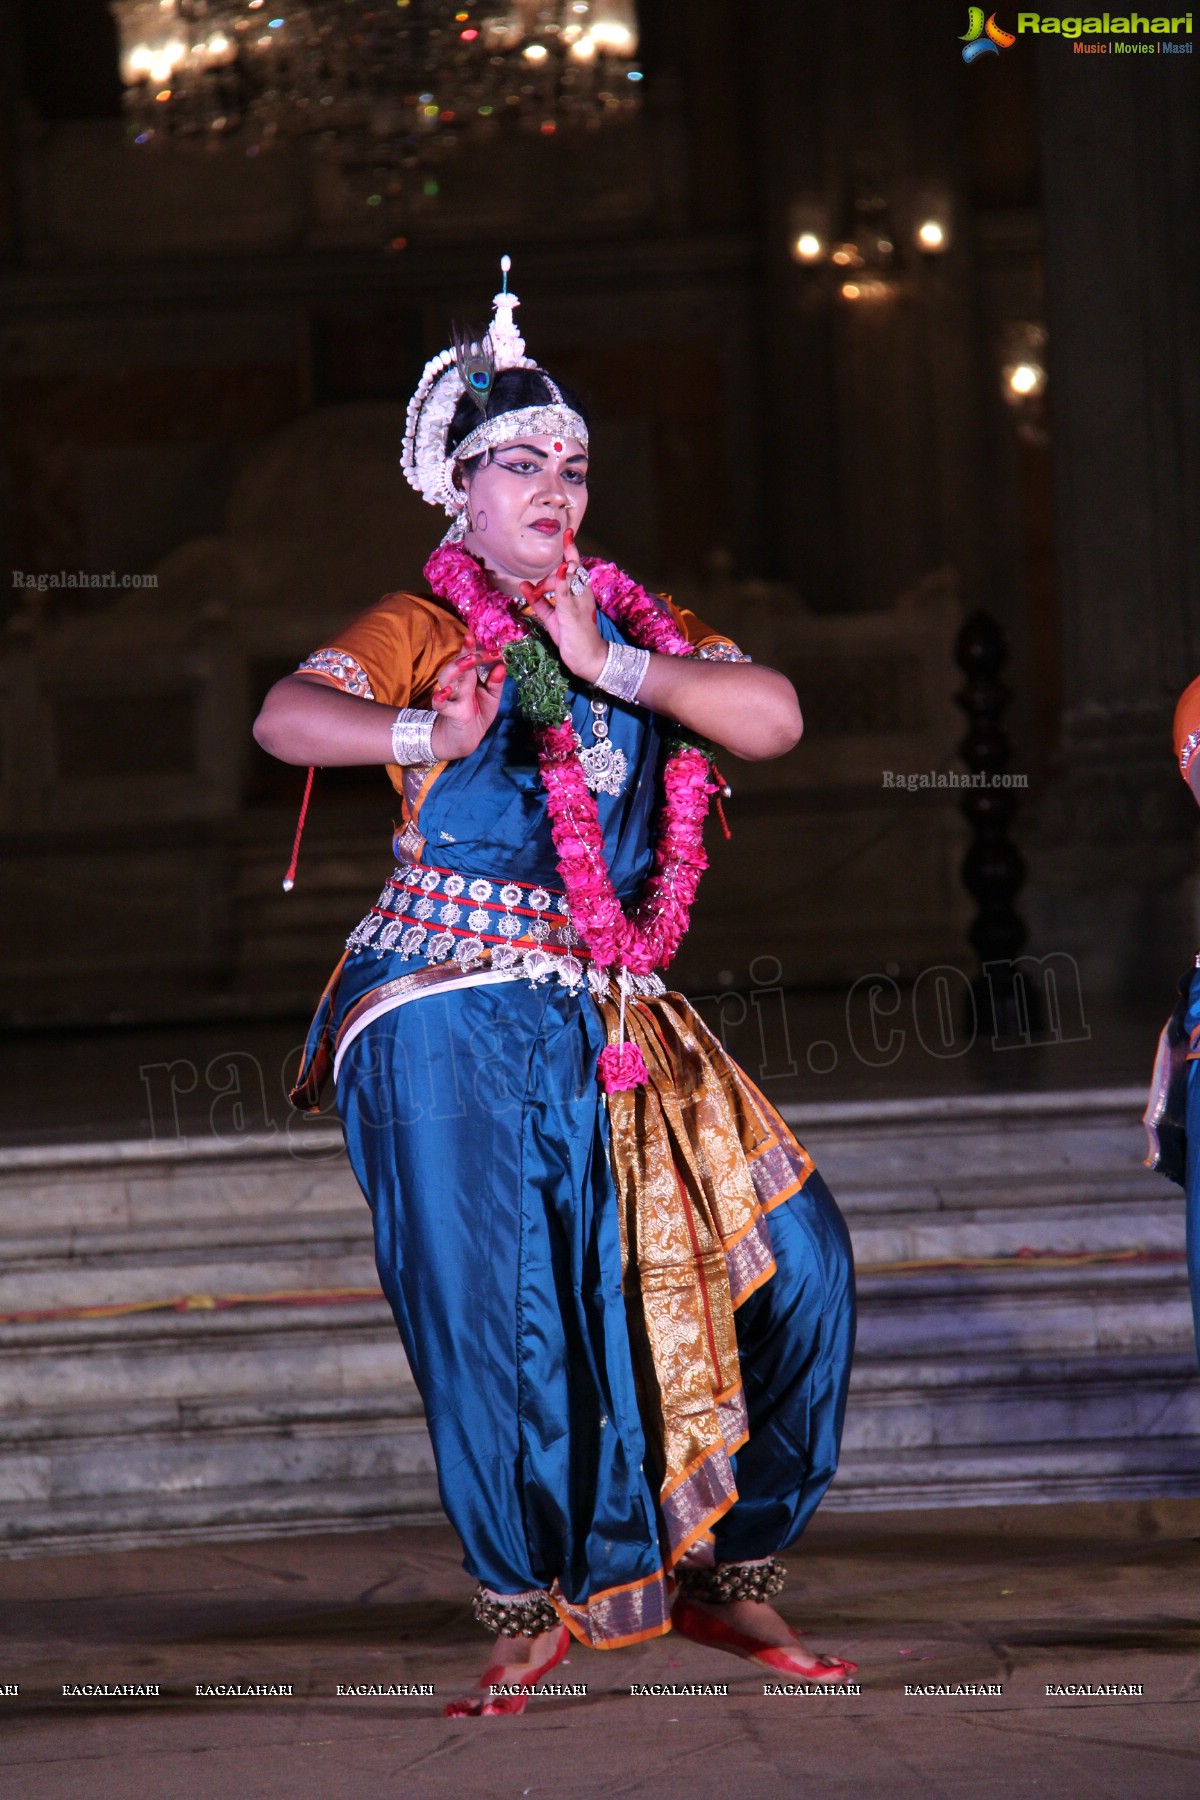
{"x": 624, "y": 671}
{"x": 412, "y": 737}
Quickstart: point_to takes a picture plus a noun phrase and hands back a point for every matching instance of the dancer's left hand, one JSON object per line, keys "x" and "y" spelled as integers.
{"x": 569, "y": 618}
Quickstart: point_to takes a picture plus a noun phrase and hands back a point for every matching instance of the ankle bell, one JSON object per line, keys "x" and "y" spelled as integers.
{"x": 722, "y": 1583}
{"x": 515, "y": 1615}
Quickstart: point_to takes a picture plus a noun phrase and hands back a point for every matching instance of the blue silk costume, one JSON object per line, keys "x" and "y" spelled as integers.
{"x": 478, "y": 1131}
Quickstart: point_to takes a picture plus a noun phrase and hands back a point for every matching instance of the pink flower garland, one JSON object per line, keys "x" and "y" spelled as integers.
{"x": 650, "y": 938}
{"x": 494, "y": 617}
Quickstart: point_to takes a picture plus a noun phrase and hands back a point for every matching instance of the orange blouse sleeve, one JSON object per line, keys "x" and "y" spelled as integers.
{"x": 713, "y": 646}
{"x": 392, "y": 652}
{"x": 1187, "y": 726}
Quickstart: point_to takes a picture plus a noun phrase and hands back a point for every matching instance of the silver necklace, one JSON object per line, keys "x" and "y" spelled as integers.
{"x": 604, "y": 768}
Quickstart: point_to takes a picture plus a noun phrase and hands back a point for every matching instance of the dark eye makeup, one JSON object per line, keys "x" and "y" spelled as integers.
{"x": 523, "y": 465}
{"x": 526, "y": 465}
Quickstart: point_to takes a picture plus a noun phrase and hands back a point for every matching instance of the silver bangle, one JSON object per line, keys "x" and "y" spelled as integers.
{"x": 624, "y": 671}
{"x": 412, "y": 737}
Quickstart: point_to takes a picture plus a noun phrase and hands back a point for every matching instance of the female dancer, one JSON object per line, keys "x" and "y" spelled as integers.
{"x": 625, "y": 1293}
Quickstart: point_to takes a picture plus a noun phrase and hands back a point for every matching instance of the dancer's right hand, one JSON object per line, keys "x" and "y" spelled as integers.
{"x": 466, "y": 700}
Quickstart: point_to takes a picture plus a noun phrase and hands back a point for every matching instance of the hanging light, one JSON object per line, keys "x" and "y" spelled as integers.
{"x": 1025, "y": 381}
{"x": 1024, "y": 376}
{"x": 1023, "y": 364}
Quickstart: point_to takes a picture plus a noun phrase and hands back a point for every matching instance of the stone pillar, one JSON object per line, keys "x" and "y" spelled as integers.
{"x": 1115, "y": 846}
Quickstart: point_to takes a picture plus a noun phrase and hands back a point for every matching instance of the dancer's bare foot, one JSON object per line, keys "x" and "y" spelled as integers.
{"x": 753, "y": 1629}
{"x": 515, "y": 1662}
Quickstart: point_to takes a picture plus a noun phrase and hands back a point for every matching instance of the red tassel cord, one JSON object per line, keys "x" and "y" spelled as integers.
{"x": 289, "y": 880}
{"x": 723, "y": 792}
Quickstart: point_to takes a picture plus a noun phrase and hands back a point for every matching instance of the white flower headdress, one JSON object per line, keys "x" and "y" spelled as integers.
{"x": 471, "y": 368}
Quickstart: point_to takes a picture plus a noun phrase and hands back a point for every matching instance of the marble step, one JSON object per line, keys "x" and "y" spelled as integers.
{"x": 1021, "y": 1405}
{"x": 897, "y": 1405}
{"x": 965, "y": 1184}
{"x": 928, "y": 1477}
{"x": 1094, "y": 1308}
{"x": 223, "y": 1215}
{"x": 1023, "y": 1380}
{"x": 961, "y": 1432}
{"x": 272, "y": 1354}
{"x": 153, "y": 1454}
{"x": 1022, "y": 1310}
{"x": 911, "y": 1350}
{"x": 940, "y": 1155}
{"x": 392, "y": 1496}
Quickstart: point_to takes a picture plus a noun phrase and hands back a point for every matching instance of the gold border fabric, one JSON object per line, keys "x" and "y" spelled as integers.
{"x": 699, "y": 1158}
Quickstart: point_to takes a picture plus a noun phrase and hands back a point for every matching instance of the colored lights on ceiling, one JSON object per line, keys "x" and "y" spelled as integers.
{"x": 385, "y": 89}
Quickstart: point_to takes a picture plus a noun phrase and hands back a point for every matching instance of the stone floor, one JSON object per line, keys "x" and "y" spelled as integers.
{"x": 1026, "y": 1598}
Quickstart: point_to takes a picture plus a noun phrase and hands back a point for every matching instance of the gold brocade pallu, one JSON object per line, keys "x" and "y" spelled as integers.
{"x": 699, "y": 1159}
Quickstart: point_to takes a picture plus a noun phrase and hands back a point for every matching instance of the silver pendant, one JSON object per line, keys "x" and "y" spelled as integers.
{"x": 604, "y": 769}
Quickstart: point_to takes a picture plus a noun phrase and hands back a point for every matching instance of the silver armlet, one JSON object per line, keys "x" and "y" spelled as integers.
{"x": 412, "y": 737}
{"x": 624, "y": 671}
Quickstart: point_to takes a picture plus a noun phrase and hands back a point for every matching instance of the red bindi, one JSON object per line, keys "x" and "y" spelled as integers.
{"x": 558, "y": 446}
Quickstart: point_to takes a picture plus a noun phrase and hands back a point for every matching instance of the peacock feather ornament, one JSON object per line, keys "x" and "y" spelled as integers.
{"x": 476, "y": 366}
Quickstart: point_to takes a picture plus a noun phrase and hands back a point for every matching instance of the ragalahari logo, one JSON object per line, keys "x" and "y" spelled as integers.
{"x": 984, "y": 39}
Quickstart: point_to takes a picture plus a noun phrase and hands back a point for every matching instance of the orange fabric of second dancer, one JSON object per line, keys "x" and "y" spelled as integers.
{"x": 1187, "y": 718}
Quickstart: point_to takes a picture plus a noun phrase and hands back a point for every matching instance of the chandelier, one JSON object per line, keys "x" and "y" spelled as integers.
{"x": 387, "y": 89}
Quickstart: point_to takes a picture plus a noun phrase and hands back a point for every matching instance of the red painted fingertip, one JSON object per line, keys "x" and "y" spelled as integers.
{"x": 569, "y": 536}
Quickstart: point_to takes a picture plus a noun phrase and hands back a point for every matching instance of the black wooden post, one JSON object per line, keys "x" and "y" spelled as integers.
{"x": 993, "y": 869}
